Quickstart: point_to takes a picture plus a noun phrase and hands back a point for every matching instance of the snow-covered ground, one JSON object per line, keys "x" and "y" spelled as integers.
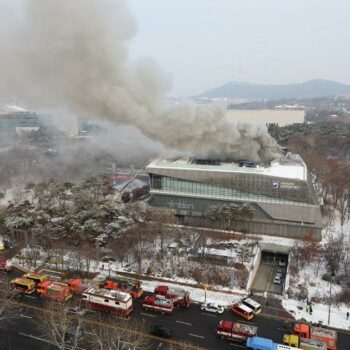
{"x": 319, "y": 313}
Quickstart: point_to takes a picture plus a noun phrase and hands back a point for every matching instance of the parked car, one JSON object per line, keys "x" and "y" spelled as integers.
{"x": 212, "y": 307}
{"x": 280, "y": 270}
{"x": 282, "y": 263}
{"x": 76, "y": 310}
{"x": 162, "y": 331}
{"x": 279, "y": 274}
{"x": 277, "y": 280}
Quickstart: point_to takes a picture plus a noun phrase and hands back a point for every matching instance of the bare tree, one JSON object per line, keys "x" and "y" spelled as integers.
{"x": 114, "y": 334}
{"x": 60, "y": 328}
{"x": 139, "y": 240}
{"x": 333, "y": 253}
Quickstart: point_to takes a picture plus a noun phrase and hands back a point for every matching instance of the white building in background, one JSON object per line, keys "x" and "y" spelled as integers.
{"x": 281, "y": 117}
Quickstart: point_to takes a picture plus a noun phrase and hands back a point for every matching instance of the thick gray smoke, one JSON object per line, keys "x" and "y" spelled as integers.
{"x": 74, "y": 54}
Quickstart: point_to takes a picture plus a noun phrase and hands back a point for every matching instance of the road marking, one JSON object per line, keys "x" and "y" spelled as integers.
{"x": 188, "y": 324}
{"x": 208, "y": 314}
{"x": 25, "y": 316}
{"x": 143, "y": 313}
{"x": 196, "y": 335}
{"x": 45, "y": 340}
{"x": 29, "y": 296}
{"x": 34, "y": 337}
{"x": 109, "y": 326}
{"x": 160, "y": 346}
{"x": 239, "y": 346}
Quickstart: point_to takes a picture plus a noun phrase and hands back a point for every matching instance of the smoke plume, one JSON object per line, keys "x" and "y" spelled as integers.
{"x": 74, "y": 54}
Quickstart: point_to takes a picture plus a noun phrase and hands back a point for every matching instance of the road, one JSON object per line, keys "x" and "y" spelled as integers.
{"x": 193, "y": 325}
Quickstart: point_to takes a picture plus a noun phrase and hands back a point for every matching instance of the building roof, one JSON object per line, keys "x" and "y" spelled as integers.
{"x": 292, "y": 167}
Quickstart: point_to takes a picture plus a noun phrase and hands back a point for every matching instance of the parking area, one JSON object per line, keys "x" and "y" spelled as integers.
{"x": 271, "y": 274}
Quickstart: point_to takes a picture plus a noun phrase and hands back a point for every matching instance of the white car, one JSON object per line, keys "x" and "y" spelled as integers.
{"x": 277, "y": 280}
{"x": 214, "y": 308}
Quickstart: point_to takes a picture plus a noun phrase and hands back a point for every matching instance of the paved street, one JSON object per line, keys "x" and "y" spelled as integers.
{"x": 21, "y": 331}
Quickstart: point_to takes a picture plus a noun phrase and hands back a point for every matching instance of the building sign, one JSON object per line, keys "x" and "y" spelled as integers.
{"x": 180, "y": 205}
{"x": 288, "y": 186}
{"x": 285, "y": 185}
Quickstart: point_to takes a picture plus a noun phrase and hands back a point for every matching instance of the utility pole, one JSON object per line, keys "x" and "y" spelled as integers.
{"x": 330, "y": 299}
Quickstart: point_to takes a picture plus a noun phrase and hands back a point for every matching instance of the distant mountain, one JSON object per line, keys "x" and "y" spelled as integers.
{"x": 308, "y": 89}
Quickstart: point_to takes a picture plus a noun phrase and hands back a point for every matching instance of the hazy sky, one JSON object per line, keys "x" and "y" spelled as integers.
{"x": 205, "y": 43}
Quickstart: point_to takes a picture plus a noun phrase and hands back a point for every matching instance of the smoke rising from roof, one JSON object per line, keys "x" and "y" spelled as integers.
{"x": 75, "y": 54}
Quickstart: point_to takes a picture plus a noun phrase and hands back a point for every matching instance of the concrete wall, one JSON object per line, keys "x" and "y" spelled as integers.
{"x": 254, "y": 268}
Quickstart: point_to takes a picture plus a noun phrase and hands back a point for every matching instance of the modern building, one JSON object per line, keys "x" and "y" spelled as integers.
{"x": 17, "y": 119}
{"x": 281, "y": 195}
{"x": 280, "y": 116}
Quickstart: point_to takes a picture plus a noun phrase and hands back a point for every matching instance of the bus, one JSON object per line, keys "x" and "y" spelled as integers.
{"x": 252, "y": 304}
{"x": 242, "y": 310}
{"x": 258, "y": 343}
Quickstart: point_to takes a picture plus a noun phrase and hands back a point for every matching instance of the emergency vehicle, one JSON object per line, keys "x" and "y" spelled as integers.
{"x": 110, "y": 300}
{"x": 5, "y": 265}
{"x": 242, "y": 310}
{"x": 56, "y": 291}
{"x": 35, "y": 277}
{"x": 328, "y": 336}
{"x": 158, "y": 303}
{"x": 25, "y": 285}
{"x": 235, "y": 331}
{"x": 79, "y": 285}
{"x": 179, "y": 297}
{"x": 130, "y": 286}
{"x": 304, "y": 343}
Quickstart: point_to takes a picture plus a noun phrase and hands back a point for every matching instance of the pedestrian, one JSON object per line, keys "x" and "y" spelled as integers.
{"x": 310, "y": 309}
{"x": 347, "y": 315}
{"x": 103, "y": 266}
{"x": 267, "y": 303}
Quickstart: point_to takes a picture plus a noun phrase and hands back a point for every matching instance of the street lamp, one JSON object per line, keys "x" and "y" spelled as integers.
{"x": 205, "y": 293}
{"x": 330, "y": 298}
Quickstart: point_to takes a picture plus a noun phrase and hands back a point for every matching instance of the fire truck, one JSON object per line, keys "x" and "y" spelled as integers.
{"x": 79, "y": 285}
{"x": 179, "y": 297}
{"x": 328, "y": 336}
{"x": 130, "y": 286}
{"x": 235, "y": 331}
{"x": 115, "y": 301}
{"x": 35, "y": 277}
{"x": 158, "y": 303}
{"x": 25, "y": 285}
{"x": 56, "y": 291}
{"x": 304, "y": 343}
{"x": 5, "y": 265}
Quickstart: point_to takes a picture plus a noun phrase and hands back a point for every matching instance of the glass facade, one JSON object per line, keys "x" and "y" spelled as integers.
{"x": 244, "y": 192}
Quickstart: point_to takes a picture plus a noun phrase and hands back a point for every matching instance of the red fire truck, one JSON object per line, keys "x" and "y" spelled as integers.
{"x": 328, "y": 336}
{"x": 56, "y": 291}
{"x": 131, "y": 286}
{"x": 115, "y": 301}
{"x": 5, "y": 265}
{"x": 235, "y": 331}
{"x": 179, "y": 297}
{"x": 79, "y": 285}
{"x": 158, "y": 303}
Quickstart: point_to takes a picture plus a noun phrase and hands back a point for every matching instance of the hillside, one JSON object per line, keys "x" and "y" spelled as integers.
{"x": 308, "y": 89}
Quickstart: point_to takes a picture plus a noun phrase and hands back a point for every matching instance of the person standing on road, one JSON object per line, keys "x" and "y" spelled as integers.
{"x": 347, "y": 315}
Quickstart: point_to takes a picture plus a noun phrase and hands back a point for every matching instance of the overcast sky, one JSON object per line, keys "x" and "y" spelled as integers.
{"x": 205, "y": 43}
